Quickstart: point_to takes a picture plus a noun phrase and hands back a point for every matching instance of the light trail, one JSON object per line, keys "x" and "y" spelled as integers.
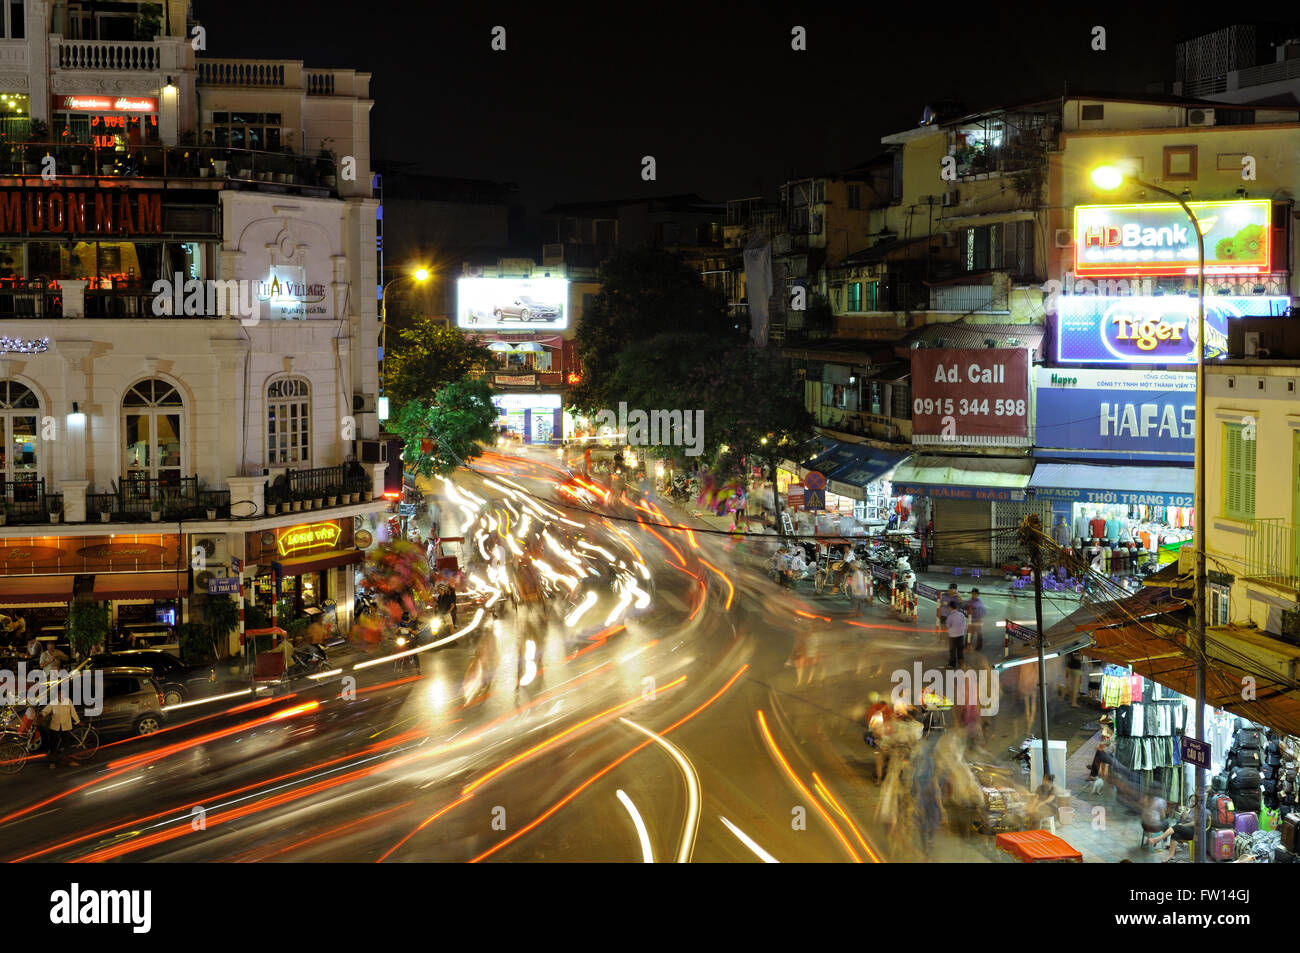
{"x": 692, "y": 825}
{"x": 731, "y": 590}
{"x": 647, "y": 854}
{"x": 748, "y": 841}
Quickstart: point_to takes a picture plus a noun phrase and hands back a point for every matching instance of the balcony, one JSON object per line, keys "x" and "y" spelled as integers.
{"x": 120, "y": 56}
{"x": 278, "y": 74}
{"x": 140, "y": 499}
{"x": 1273, "y": 553}
{"x": 79, "y": 164}
{"x": 314, "y": 488}
{"x": 25, "y": 500}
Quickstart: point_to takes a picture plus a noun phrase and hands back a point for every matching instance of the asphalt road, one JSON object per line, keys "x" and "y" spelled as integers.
{"x": 675, "y": 733}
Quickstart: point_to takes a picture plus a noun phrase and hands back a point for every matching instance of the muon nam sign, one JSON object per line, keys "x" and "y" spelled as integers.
{"x": 1158, "y": 239}
{"x": 1150, "y": 329}
{"x": 88, "y": 212}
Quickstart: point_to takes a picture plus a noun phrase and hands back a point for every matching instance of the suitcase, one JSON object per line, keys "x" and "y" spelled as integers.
{"x": 1244, "y": 777}
{"x": 1268, "y": 772}
{"x": 1247, "y": 800}
{"x": 1246, "y": 758}
{"x": 1221, "y": 811}
{"x": 1221, "y": 845}
{"x": 1283, "y": 856}
{"x": 1219, "y": 784}
{"x": 1270, "y": 787}
{"x": 1246, "y": 822}
{"x": 1289, "y": 823}
{"x": 1248, "y": 738}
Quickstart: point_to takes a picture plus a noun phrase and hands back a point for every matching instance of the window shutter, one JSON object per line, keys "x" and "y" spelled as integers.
{"x": 1247, "y": 477}
{"x": 1232, "y": 501}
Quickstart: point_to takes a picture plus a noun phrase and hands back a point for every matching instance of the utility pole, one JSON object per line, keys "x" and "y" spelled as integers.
{"x": 1031, "y": 535}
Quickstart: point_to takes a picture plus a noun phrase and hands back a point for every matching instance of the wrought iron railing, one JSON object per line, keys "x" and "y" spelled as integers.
{"x": 1273, "y": 553}
{"x": 25, "y": 500}
{"x": 319, "y": 483}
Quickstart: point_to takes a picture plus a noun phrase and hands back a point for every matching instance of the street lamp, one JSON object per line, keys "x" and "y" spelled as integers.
{"x": 1109, "y": 178}
{"x": 419, "y": 275}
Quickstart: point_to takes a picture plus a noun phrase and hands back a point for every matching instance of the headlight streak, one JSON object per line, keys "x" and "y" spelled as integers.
{"x": 206, "y": 701}
{"x": 671, "y": 548}
{"x": 572, "y": 619}
{"x": 826, "y": 794}
{"x": 623, "y": 601}
{"x": 731, "y": 590}
{"x": 692, "y": 824}
{"x": 596, "y": 549}
{"x": 555, "y": 808}
{"x": 745, "y": 839}
{"x": 474, "y": 624}
{"x": 530, "y": 664}
{"x": 808, "y": 795}
{"x": 647, "y": 853}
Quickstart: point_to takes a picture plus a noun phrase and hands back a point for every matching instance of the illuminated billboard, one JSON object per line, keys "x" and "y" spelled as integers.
{"x": 509, "y": 303}
{"x": 1145, "y": 329}
{"x": 1157, "y": 239}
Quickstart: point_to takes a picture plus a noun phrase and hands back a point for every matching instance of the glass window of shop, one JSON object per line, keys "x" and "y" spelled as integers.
{"x": 15, "y": 117}
{"x": 105, "y": 265}
{"x": 151, "y": 417}
{"x": 19, "y": 412}
{"x": 106, "y": 132}
{"x": 288, "y": 416}
{"x": 246, "y": 130}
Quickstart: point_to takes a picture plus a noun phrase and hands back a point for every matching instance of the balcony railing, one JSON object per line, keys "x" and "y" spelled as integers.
{"x": 1273, "y": 553}
{"x": 25, "y": 500}
{"x": 116, "y": 55}
{"x": 165, "y": 162}
{"x": 964, "y": 298}
{"x": 318, "y": 483}
{"x": 178, "y": 498}
{"x": 227, "y": 72}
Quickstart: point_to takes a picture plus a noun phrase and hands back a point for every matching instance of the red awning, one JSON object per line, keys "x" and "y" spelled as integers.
{"x": 320, "y": 561}
{"x": 25, "y": 590}
{"x": 142, "y": 585}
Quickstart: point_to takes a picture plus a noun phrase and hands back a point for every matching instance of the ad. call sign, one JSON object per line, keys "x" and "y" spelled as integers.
{"x": 970, "y": 395}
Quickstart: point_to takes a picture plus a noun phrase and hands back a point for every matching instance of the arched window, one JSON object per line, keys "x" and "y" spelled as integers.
{"x": 288, "y": 421}
{"x": 152, "y": 415}
{"x": 20, "y": 411}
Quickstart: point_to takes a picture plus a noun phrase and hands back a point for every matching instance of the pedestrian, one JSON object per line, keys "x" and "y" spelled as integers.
{"x": 1045, "y": 801}
{"x": 956, "y": 634}
{"x": 63, "y": 718}
{"x": 286, "y": 649}
{"x": 859, "y": 589}
{"x": 52, "y": 658}
{"x": 942, "y": 609}
{"x": 1073, "y": 677}
{"x": 975, "y": 612}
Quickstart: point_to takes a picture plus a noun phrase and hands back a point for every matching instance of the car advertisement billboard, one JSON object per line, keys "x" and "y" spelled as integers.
{"x": 512, "y": 303}
{"x": 970, "y": 396}
{"x": 1158, "y": 238}
{"x": 1147, "y": 413}
{"x": 1157, "y": 329}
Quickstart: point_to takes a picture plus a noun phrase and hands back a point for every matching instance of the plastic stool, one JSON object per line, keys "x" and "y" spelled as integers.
{"x": 975, "y": 574}
{"x": 956, "y": 570}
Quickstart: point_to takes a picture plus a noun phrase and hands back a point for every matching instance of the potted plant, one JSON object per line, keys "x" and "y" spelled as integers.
{"x": 4, "y": 513}
{"x": 271, "y": 501}
{"x": 56, "y": 512}
{"x": 317, "y": 499}
{"x": 155, "y": 510}
{"x": 212, "y": 512}
{"x": 87, "y": 627}
{"x": 327, "y": 164}
{"x": 105, "y": 511}
{"x": 297, "y": 501}
{"x": 37, "y": 148}
{"x": 332, "y": 493}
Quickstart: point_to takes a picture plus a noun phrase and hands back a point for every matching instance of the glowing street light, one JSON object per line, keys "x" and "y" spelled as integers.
{"x": 419, "y": 275}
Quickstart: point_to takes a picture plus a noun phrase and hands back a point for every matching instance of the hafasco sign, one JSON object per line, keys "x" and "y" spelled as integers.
{"x": 1158, "y": 239}
{"x": 974, "y": 395}
{"x": 308, "y": 536}
{"x": 106, "y": 104}
{"x": 1150, "y": 330}
{"x": 1128, "y": 411}
{"x": 104, "y": 212}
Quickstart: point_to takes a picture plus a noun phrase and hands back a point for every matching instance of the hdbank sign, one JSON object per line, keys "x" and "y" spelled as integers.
{"x": 1158, "y": 238}
{"x": 1150, "y": 330}
{"x": 1151, "y": 413}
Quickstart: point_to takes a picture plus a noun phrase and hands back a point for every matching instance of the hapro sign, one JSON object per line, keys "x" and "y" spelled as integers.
{"x": 1158, "y": 239}
{"x": 512, "y": 303}
{"x": 1143, "y": 329}
{"x": 1151, "y": 413}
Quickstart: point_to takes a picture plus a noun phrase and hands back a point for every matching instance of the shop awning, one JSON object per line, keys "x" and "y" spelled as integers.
{"x": 963, "y": 478}
{"x": 806, "y": 453}
{"x": 26, "y": 590}
{"x": 849, "y": 467}
{"x": 319, "y": 561}
{"x": 1140, "y": 486}
{"x": 142, "y": 585}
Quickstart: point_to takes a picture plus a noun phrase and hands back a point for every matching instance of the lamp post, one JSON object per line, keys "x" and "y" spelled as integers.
{"x": 419, "y": 275}
{"x": 1110, "y": 178}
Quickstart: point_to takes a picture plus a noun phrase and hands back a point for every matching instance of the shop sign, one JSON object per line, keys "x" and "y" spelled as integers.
{"x": 1145, "y": 329}
{"x": 1002, "y": 494}
{"x": 290, "y": 294}
{"x": 57, "y": 211}
{"x": 1129, "y": 411}
{"x": 1117, "y": 497}
{"x": 135, "y": 551}
{"x": 308, "y": 536}
{"x": 1194, "y": 752}
{"x": 106, "y": 104}
{"x": 515, "y": 380}
{"x": 971, "y": 396}
{"x": 1158, "y": 238}
{"x": 362, "y": 539}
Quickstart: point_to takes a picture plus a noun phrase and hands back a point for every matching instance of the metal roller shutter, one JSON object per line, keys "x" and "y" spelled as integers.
{"x": 1007, "y": 519}
{"x": 962, "y": 532}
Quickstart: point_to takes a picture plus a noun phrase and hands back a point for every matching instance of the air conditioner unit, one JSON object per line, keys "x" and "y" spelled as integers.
{"x": 951, "y": 198}
{"x": 553, "y": 254}
{"x": 363, "y": 403}
{"x": 372, "y": 451}
{"x": 1200, "y": 117}
{"x": 1063, "y": 238}
{"x": 215, "y": 550}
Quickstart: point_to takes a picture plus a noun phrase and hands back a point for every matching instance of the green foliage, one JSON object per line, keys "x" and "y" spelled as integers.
{"x": 256, "y": 617}
{"x": 645, "y": 294}
{"x": 461, "y": 418}
{"x": 222, "y": 615}
{"x": 87, "y": 626}
{"x": 429, "y": 357}
{"x": 196, "y": 643}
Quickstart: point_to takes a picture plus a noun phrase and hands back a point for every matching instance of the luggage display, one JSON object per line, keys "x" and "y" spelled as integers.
{"x": 1283, "y": 856}
{"x": 1219, "y": 783}
{"x": 1221, "y": 811}
{"x": 1248, "y": 738}
{"x": 1270, "y": 787}
{"x": 1246, "y": 822}
{"x": 1221, "y": 845}
{"x": 1245, "y": 758}
{"x": 1244, "y": 777}
{"x": 1247, "y": 801}
{"x": 1289, "y": 824}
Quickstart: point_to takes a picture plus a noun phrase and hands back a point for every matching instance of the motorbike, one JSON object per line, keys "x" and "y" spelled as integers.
{"x": 307, "y": 660}
{"x": 1020, "y": 753}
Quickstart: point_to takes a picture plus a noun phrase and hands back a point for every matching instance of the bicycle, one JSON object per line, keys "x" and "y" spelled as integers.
{"x": 15, "y": 754}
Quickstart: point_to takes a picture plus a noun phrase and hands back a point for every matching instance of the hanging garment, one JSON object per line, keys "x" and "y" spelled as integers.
{"x": 1137, "y": 687}
{"x": 1112, "y": 691}
{"x": 1135, "y": 722}
{"x": 1113, "y": 528}
{"x": 1097, "y": 528}
{"x": 1081, "y": 526}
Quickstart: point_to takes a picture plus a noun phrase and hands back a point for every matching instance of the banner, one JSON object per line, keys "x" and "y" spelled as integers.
{"x": 882, "y": 573}
{"x": 970, "y": 396}
{"x": 1021, "y": 632}
{"x": 1142, "y": 329}
{"x": 1125, "y": 411}
{"x": 1159, "y": 239}
{"x": 926, "y": 592}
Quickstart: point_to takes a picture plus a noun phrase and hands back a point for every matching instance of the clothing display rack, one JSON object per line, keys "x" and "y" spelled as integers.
{"x": 1149, "y": 719}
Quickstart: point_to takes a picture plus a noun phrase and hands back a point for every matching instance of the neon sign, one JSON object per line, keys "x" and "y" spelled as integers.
{"x": 121, "y": 104}
{"x": 1158, "y": 239}
{"x": 307, "y": 536}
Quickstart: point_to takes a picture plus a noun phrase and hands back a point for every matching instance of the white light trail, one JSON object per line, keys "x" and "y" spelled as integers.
{"x": 749, "y": 842}
{"x": 580, "y": 610}
{"x": 642, "y": 834}
{"x": 692, "y": 791}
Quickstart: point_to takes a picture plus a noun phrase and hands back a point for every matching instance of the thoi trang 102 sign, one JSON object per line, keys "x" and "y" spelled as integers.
{"x": 1150, "y": 329}
{"x": 1158, "y": 239}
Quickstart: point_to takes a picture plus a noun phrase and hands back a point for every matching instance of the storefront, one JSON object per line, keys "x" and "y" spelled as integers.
{"x": 108, "y": 124}
{"x": 311, "y": 563}
{"x": 857, "y": 488}
{"x": 533, "y": 417}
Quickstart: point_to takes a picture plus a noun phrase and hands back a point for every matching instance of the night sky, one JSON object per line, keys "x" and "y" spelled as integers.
{"x": 713, "y": 91}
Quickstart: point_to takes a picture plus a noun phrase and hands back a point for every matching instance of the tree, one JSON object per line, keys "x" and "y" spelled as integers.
{"x": 644, "y": 294}
{"x": 755, "y": 409}
{"x": 439, "y": 437}
{"x": 430, "y": 356}
{"x": 221, "y": 613}
{"x": 87, "y": 627}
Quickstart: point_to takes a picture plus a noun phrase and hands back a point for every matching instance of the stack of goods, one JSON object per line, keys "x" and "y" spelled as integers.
{"x": 1004, "y": 811}
{"x": 1278, "y": 775}
{"x": 1245, "y": 760}
{"x": 1286, "y": 851}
